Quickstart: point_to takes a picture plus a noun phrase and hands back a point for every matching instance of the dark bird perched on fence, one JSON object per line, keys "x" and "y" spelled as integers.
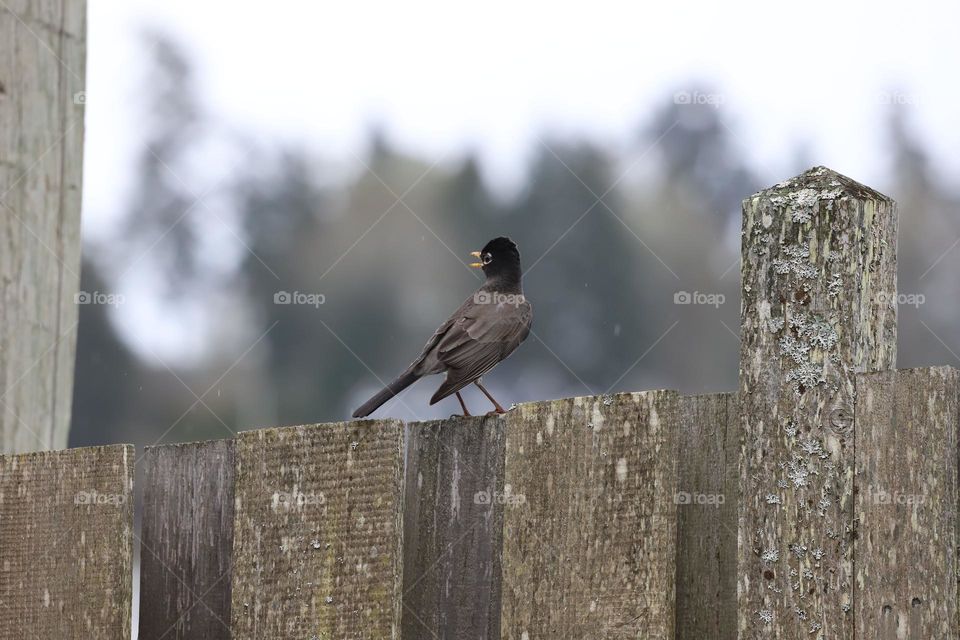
{"x": 486, "y": 328}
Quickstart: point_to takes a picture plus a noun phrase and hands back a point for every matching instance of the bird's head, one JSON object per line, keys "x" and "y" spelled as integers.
{"x": 500, "y": 260}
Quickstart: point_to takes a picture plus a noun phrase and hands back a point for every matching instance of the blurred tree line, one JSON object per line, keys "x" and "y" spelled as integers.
{"x": 219, "y": 226}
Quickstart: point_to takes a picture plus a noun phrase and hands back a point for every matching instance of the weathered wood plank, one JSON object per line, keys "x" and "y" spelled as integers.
{"x": 42, "y": 66}
{"x": 708, "y": 474}
{"x": 187, "y": 541}
{"x": 906, "y": 504}
{"x": 66, "y": 523}
{"x": 818, "y": 286}
{"x": 590, "y": 552}
{"x": 453, "y": 522}
{"x": 318, "y": 532}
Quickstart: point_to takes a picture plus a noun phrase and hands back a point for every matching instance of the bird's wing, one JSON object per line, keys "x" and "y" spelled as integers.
{"x": 434, "y": 339}
{"x": 428, "y": 361}
{"x": 479, "y": 339}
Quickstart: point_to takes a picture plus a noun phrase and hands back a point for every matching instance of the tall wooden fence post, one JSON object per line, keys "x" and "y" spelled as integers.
{"x": 818, "y": 287}
{"x": 42, "y": 65}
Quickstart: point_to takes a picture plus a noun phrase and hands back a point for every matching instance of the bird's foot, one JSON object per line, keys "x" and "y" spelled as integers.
{"x": 495, "y": 412}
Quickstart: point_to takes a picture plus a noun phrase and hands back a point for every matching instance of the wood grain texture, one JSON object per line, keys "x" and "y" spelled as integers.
{"x": 819, "y": 292}
{"x": 317, "y": 532}
{"x": 590, "y": 552}
{"x": 906, "y": 504}
{"x": 187, "y": 541}
{"x": 42, "y": 66}
{"x": 453, "y": 523}
{"x": 708, "y": 474}
{"x": 66, "y": 523}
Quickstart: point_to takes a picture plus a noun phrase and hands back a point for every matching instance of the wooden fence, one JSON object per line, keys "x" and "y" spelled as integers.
{"x": 43, "y": 54}
{"x": 819, "y": 501}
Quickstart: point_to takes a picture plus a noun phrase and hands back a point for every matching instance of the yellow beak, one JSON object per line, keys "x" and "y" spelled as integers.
{"x": 476, "y": 265}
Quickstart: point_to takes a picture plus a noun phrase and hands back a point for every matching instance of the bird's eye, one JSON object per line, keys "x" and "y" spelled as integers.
{"x": 487, "y": 258}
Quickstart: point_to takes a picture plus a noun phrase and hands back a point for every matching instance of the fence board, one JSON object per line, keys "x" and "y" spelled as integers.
{"x": 317, "y": 533}
{"x": 452, "y": 528}
{"x": 187, "y": 541}
{"x": 42, "y": 69}
{"x": 708, "y": 472}
{"x": 66, "y": 521}
{"x": 906, "y": 504}
{"x": 819, "y": 291}
{"x": 590, "y": 553}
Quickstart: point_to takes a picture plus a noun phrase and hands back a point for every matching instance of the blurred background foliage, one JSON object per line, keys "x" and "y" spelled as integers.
{"x": 608, "y": 235}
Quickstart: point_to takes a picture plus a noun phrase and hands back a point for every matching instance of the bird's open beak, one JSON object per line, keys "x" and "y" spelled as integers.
{"x": 476, "y": 265}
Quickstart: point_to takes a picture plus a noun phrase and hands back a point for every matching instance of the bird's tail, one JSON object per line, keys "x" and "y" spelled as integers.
{"x": 403, "y": 381}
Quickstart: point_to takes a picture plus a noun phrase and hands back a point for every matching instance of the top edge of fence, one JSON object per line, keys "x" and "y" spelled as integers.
{"x": 48, "y": 452}
{"x": 943, "y": 369}
{"x": 709, "y": 394}
{"x": 478, "y": 418}
{"x": 188, "y": 443}
{"x": 320, "y": 425}
{"x": 604, "y": 398}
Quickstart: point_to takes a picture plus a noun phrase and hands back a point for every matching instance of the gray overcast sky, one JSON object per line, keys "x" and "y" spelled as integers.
{"x": 442, "y": 77}
{"x": 445, "y": 77}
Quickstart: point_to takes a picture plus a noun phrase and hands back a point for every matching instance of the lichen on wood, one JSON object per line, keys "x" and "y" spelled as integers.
{"x": 818, "y": 285}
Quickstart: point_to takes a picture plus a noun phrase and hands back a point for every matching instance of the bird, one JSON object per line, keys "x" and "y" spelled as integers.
{"x": 482, "y": 332}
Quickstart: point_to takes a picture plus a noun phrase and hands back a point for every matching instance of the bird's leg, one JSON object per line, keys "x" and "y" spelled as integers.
{"x": 498, "y": 409}
{"x": 462, "y": 404}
